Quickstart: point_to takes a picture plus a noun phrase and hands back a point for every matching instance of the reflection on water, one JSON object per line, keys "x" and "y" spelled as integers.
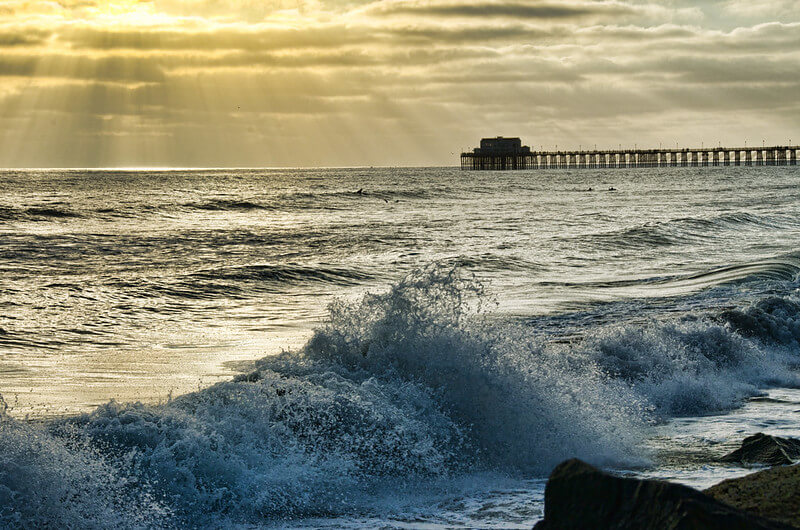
{"x": 135, "y": 284}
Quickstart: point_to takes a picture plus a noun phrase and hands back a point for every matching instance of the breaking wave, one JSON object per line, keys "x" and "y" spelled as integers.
{"x": 398, "y": 392}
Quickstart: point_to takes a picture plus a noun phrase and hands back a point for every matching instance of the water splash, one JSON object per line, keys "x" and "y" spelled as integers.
{"x": 398, "y": 394}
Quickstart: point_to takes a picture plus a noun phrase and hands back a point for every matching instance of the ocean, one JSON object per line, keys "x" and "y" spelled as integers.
{"x": 382, "y": 347}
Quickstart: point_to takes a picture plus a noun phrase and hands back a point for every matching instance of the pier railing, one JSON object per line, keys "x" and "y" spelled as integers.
{"x": 634, "y": 158}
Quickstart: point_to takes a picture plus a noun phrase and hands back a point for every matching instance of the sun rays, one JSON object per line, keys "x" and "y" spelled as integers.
{"x": 247, "y": 83}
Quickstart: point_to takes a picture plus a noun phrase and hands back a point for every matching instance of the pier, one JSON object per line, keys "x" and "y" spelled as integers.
{"x": 508, "y": 153}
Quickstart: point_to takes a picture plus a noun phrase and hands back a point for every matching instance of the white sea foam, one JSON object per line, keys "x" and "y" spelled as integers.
{"x": 398, "y": 393}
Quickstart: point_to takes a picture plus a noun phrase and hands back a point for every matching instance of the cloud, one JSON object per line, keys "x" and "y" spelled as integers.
{"x": 231, "y": 37}
{"x": 22, "y": 37}
{"x": 216, "y": 79}
{"x": 76, "y": 67}
{"x": 247, "y": 10}
{"x": 783, "y": 9}
{"x": 497, "y": 8}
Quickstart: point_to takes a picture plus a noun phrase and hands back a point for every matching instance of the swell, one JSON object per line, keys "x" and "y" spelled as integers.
{"x": 239, "y": 282}
{"x": 397, "y": 391}
{"x": 285, "y": 273}
{"x": 360, "y": 193}
{"x": 35, "y": 213}
{"x": 779, "y": 269}
{"x": 331, "y": 199}
{"x": 682, "y": 230}
{"x": 497, "y": 263}
{"x": 226, "y": 205}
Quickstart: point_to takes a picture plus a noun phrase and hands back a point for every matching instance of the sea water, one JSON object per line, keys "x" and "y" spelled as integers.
{"x": 382, "y": 347}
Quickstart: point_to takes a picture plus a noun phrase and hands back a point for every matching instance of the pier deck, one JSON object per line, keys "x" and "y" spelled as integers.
{"x": 631, "y": 158}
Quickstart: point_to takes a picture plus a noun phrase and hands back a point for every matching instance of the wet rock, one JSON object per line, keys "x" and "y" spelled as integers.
{"x": 250, "y": 377}
{"x": 773, "y": 493}
{"x": 580, "y": 496}
{"x": 765, "y": 449}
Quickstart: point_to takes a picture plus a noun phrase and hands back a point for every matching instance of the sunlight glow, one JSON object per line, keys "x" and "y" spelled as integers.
{"x": 327, "y": 82}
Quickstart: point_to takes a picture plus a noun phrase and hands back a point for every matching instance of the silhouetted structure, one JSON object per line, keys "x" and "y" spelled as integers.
{"x": 508, "y": 153}
{"x": 499, "y": 153}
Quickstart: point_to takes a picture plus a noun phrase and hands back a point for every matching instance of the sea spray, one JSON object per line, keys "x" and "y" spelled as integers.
{"x": 523, "y": 407}
{"x": 62, "y": 481}
{"x": 400, "y": 388}
{"x": 398, "y": 393}
{"x": 687, "y": 367}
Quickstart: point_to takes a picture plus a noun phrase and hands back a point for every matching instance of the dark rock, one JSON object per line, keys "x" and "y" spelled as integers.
{"x": 579, "y": 496}
{"x": 252, "y": 377}
{"x": 765, "y": 449}
{"x": 772, "y": 493}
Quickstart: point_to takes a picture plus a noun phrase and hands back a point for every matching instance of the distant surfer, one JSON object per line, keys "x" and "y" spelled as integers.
{"x": 612, "y": 189}
{"x": 360, "y": 191}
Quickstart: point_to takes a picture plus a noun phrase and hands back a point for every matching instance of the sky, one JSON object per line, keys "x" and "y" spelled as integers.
{"x": 273, "y": 83}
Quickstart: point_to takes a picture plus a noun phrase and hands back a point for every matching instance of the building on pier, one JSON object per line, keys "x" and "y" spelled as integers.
{"x": 508, "y": 153}
{"x": 499, "y": 153}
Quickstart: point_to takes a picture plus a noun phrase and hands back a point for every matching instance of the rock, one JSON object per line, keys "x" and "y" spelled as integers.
{"x": 579, "y": 496}
{"x": 772, "y": 493}
{"x": 765, "y": 449}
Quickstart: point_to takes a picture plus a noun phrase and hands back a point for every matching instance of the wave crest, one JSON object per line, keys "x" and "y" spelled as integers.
{"x": 397, "y": 391}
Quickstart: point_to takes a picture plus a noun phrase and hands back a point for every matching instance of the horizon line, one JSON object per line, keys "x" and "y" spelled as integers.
{"x": 205, "y": 168}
